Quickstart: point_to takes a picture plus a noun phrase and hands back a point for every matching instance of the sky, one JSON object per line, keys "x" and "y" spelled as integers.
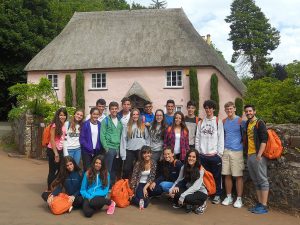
{"x": 207, "y": 16}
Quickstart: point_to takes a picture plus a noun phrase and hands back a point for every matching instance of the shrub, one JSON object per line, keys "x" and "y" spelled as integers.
{"x": 69, "y": 92}
{"x": 239, "y": 106}
{"x": 214, "y": 94}
{"x": 194, "y": 91}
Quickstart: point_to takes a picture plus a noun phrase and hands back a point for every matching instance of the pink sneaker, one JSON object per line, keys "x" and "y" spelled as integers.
{"x": 111, "y": 208}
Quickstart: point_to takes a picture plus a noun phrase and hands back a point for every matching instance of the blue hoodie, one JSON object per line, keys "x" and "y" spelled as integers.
{"x": 71, "y": 185}
{"x": 95, "y": 189}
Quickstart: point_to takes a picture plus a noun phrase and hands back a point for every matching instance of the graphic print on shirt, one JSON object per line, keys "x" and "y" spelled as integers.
{"x": 136, "y": 133}
{"x": 208, "y": 129}
{"x": 155, "y": 135}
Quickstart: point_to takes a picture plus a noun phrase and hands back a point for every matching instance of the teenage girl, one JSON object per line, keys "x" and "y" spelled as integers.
{"x": 90, "y": 138}
{"x": 134, "y": 136}
{"x": 157, "y": 132}
{"x": 143, "y": 175}
{"x": 71, "y": 144}
{"x": 177, "y": 136}
{"x": 55, "y": 146}
{"x": 68, "y": 181}
{"x": 189, "y": 188}
{"x": 167, "y": 172}
{"x": 94, "y": 188}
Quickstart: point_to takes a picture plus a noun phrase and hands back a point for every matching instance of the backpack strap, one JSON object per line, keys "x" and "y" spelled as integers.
{"x": 197, "y": 120}
{"x": 174, "y": 162}
{"x": 217, "y": 121}
{"x": 106, "y": 120}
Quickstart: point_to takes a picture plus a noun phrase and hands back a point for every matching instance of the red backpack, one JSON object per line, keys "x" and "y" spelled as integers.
{"x": 274, "y": 146}
{"x": 46, "y": 136}
{"x": 121, "y": 192}
{"x": 209, "y": 182}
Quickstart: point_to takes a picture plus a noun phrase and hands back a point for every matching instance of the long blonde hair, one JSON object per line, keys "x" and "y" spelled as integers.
{"x": 140, "y": 124}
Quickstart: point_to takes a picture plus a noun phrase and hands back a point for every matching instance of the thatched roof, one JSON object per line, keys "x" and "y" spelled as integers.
{"x": 130, "y": 39}
{"x": 137, "y": 89}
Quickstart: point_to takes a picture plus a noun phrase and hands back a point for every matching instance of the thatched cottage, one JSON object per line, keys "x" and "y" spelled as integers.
{"x": 142, "y": 54}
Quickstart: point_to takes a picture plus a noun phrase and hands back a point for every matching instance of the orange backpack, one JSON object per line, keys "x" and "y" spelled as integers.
{"x": 274, "y": 146}
{"x": 209, "y": 182}
{"x": 121, "y": 192}
{"x": 60, "y": 204}
{"x": 46, "y": 136}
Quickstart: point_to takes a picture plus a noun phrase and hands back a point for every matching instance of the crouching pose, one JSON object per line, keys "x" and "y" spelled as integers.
{"x": 68, "y": 181}
{"x": 94, "y": 188}
{"x": 143, "y": 175}
{"x": 168, "y": 172}
{"x": 189, "y": 189}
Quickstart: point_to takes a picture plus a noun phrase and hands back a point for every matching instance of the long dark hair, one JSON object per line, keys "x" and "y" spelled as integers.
{"x": 74, "y": 122}
{"x": 92, "y": 172}
{"x": 191, "y": 174}
{"x": 57, "y": 122}
{"x": 141, "y": 161}
{"x": 163, "y": 123}
{"x": 64, "y": 172}
{"x": 182, "y": 124}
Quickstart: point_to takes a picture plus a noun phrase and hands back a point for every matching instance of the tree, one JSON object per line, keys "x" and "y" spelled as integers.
{"x": 279, "y": 71}
{"x": 194, "y": 89}
{"x": 135, "y": 6}
{"x": 68, "y": 90}
{"x": 158, "y": 4}
{"x": 214, "y": 93}
{"x": 252, "y": 36}
{"x": 80, "y": 102}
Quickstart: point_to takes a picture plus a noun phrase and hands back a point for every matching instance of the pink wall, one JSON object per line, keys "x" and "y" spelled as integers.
{"x": 152, "y": 80}
{"x": 226, "y": 90}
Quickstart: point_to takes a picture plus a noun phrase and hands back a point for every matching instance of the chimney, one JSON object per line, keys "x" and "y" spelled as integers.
{"x": 208, "y": 39}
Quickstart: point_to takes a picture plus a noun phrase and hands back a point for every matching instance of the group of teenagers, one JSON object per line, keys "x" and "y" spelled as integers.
{"x": 158, "y": 152}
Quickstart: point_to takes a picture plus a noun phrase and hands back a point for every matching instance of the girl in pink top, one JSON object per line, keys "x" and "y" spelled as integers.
{"x": 55, "y": 147}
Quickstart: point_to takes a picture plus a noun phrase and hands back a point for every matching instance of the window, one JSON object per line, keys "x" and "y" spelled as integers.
{"x": 98, "y": 80}
{"x": 54, "y": 80}
{"x": 174, "y": 78}
{"x": 178, "y": 108}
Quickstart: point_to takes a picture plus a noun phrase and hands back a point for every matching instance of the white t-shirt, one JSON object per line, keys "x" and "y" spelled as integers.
{"x": 177, "y": 144}
{"x": 144, "y": 176}
{"x": 115, "y": 121}
{"x": 94, "y": 131}
{"x": 125, "y": 119}
{"x": 72, "y": 137}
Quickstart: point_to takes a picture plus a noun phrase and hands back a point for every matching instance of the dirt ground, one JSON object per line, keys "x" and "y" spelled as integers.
{"x": 23, "y": 180}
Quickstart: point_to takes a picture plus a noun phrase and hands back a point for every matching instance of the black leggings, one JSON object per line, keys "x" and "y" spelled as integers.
{"x": 53, "y": 166}
{"x": 90, "y": 206}
{"x": 131, "y": 157}
{"x": 197, "y": 198}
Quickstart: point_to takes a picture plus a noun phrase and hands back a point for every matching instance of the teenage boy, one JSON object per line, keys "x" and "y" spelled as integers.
{"x": 233, "y": 159}
{"x": 255, "y": 144}
{"x": 209, "y": 142}
{"x": 170, "y": 112}
{"x": 147, "y": 115}
{"x": 110, "y": 135}
{"x": 191, "y": 122}
{"x": 124, "y": 114}
{"x": 100, "y": 104}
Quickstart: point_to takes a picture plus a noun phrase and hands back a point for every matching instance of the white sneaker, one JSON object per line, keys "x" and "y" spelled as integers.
{"x": 227, "y": 201}
{"x": 216, "y": 200}
{"x": 238, "y": 203}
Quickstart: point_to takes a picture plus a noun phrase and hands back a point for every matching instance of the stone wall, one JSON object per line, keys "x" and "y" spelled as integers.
{"x": 27, "y": 132}
{"x": 283, "y": 173}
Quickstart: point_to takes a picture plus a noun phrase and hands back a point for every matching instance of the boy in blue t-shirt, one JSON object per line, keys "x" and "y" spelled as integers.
{"x": 170, "y": 112}
{"x": 232, "y": 159}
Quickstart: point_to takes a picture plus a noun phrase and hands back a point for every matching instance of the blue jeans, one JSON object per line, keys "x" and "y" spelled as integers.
{"x": 166, "y": 185}
{"x": 110, "y": 157}
{"x": 75, "y": 154}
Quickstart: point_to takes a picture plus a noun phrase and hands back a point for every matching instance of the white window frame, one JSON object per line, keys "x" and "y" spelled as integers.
{"x": 171, "y": 73}
{"x": 178, "y": 108}
{"x": 53, "y": 79}
{"x": 94, "y": 77}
